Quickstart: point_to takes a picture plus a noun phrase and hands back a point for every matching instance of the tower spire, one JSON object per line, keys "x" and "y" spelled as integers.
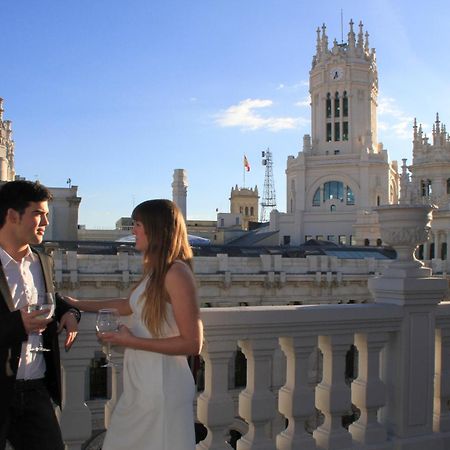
{"x": 351, "y": 35}
{"x": 360, "y": 36}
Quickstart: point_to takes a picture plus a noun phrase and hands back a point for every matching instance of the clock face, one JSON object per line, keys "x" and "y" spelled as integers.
{"x": 336, "y": 73}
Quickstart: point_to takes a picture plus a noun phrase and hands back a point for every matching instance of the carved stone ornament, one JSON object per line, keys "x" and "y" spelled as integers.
{"x": 405, "y": 227}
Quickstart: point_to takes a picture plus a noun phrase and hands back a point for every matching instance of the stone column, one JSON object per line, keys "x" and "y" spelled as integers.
{"x": 368, "y": 391}
{"x": 437, "y": 245}
{"x": 296, "y": 397}
{"x": 215, "y": 407}
{"x": 256, "y": 402}
{"x": 426, "y": 251}
{"x": 75, "y": 417}
{"x": 408, "y": 368}
{"x": 333, "y": 394}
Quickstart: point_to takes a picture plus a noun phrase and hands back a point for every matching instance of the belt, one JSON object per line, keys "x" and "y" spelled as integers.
{"x": 29, "y": 385}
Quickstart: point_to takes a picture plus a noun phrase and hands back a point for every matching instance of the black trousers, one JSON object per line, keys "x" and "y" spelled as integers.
{"x": 31, "y": 423}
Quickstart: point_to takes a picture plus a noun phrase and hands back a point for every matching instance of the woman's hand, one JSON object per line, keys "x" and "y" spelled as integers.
{"x": 123, "y": 337}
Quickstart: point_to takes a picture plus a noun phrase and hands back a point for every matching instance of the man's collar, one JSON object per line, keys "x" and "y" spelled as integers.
{"x": 6, "y": 258}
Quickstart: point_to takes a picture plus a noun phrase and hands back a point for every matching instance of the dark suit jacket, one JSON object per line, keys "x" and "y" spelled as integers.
{"x": 12, "y": 334}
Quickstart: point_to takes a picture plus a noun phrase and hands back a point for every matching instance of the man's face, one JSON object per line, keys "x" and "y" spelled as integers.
{"x": 31, "y": 225}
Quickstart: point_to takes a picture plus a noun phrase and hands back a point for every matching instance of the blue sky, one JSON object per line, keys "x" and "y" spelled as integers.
{"x": 117, "y": 94}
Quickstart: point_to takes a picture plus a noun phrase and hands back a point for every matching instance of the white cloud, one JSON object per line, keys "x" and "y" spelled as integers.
{"x": 306, "y": 102}
{"x": 394, "y": 120}
{"x": 245, "y": 116}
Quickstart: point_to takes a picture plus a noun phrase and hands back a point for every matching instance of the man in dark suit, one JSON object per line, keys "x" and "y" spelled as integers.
{"x": 29, "y": 380}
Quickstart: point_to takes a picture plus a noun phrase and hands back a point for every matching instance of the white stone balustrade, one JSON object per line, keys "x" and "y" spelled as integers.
{"x": 299, "y": 329}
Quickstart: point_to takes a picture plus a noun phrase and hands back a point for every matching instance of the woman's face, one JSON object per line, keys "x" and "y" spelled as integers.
{"x": 141, "y": 237}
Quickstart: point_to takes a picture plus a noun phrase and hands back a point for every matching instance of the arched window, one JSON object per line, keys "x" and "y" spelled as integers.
{"x": 448, "y": 185}
{"x": 316, "y": 198}
{"x": 246, "y": 210}
{"x": 345, "y": 104}
{"x": 337, "y": 105}
{"x": 366, "y": 242}
{"x": 333, "y": 190}
{"x": 252, "y": 210}
{"x": 332, "y": 208}
{"x": 328, "y": 105}
{"x": 378, "y": 200}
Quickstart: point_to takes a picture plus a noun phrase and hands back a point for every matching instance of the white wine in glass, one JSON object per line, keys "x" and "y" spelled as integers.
{"x": 46, "y": 304}
{"x": 108, "y": 320}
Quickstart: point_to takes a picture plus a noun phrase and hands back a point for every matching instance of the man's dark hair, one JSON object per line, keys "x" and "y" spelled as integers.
{"x": 17, "y": 195}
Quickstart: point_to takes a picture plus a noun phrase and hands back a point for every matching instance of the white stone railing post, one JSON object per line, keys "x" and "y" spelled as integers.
{"x": 116, "y": 374}
{"x": 332, "y": 393}
{"x": 368, "y": 391}
{"x": 257, "y": 403}
{"x": 75, "y": 417}
{"x": 215, "y": 407}
{"x": 410, "y": 353}
{"x": 296, "y": 397}
{"x": 441, "y": 416}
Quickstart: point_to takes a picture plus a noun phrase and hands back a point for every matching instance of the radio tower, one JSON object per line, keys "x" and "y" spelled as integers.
{"x": 269, "y": 200}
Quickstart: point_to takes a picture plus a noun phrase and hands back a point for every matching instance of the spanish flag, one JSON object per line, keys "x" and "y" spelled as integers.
{"x": 246, "y": 164}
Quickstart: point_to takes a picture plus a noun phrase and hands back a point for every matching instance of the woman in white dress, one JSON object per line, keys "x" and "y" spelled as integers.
{"x": 155, "y": 411}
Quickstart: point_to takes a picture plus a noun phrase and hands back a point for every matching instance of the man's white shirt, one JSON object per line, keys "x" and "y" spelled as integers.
{"x": 25, "y": 278}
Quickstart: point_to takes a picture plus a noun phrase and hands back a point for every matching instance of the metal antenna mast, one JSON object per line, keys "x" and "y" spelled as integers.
{"x": 269, "y": 200}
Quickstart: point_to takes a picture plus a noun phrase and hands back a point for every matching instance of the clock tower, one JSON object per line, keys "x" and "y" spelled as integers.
{"x": 342, "y": 171}
{"x": 344, "y": 90}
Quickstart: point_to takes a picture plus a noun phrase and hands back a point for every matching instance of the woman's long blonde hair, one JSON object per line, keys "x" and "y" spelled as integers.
{"x": 166, "y": 233}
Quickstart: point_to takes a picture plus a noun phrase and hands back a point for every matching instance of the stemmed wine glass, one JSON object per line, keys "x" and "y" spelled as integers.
{"x": 46, "y": 304}
{"x": 108, "y": 321}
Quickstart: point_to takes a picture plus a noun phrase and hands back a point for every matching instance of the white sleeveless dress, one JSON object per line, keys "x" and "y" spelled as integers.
{"x": 155, "y": 410}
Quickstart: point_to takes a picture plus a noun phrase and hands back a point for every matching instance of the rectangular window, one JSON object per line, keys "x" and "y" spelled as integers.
{"x": 352, "y": 242}
{"x": 286, "y": 240}
{"x": 319, "y": 237}
{"x": 328, "y": 108}
{"x": 337, "y": 131}
{"x": 342, "y": 239}
{"x": 328, "y": 132}
{"x": 345, "y": 131}
{"x": 308, "y": 237}
{"x": 331, "y": 238}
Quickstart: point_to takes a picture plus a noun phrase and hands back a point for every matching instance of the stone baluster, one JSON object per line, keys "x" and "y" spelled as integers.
{"x": 75, "y": 417}
{"x": 256, "y": 402}
{"x": 296, "y": 397}
{"x": 215, "y": 407}
{"x": 333, "y": 394}
{"x": 441, "y": 414}
{"x": 368, "y": 391}
{"x": 116, "y": 374}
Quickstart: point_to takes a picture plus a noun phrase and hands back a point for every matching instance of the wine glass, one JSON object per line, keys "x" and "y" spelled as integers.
{"x": 107, "y": 321}
{"x": 46, "y": 304}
